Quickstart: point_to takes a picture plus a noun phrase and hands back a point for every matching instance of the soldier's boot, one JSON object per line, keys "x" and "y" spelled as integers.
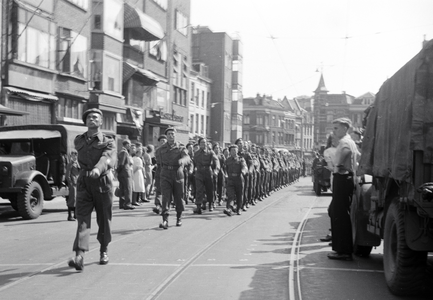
{"x": 179, "y": 219}
{"x": 211, "y": 206}
{"x": 70, "y": 218}
{"x": 197, "y": 210}
{"x": 164, "y": 224}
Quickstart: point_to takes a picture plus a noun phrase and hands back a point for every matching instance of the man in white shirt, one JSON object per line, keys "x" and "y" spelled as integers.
{"x": 343, "y": 185}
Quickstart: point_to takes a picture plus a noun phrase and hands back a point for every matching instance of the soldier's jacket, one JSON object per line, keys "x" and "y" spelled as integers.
{"x": 235, "y": 165}
{"x": 248, "y": 160}
{"x": 276, "y": 164}
{"x": 173, "y": 155}
{"x": 222, "y": 159}
{"x": 206, "y": 158}
{"x": 256, "y": 162}
{"x": 98, "y": 151}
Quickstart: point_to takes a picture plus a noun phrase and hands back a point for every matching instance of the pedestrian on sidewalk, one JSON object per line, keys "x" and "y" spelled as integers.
{"x": 96, "y": 156}
{"x": 71, "y": 176}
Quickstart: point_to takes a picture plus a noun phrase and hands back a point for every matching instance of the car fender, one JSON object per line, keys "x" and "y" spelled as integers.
{"x": 28, "y": 176}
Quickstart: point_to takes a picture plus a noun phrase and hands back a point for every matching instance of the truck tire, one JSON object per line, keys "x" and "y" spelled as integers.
{"x": 404, "y": 268}
{"x": 317, "y": 188}
{"x": 31, "y": 201}
{"x": 358, "y": 250}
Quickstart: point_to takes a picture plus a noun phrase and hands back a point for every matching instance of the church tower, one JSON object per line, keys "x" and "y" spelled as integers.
{"x": 319, "y": 109}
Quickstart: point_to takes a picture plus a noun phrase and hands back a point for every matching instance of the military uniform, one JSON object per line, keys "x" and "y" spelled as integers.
{"x": 98, "y": 151}
{"x": 235, "y": 182}
{"x": 172, "y": 177}
{"x": 204, "y": 184}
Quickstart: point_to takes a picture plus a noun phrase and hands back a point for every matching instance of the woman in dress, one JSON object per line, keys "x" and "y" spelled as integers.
{"x": 138, "y": 177}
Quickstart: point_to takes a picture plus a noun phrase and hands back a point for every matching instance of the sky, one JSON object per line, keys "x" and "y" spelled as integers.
{"x": 287, "y": 44}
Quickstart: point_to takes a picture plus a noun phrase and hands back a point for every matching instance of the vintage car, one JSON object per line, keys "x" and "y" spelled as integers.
{"x": 33, "y": 161}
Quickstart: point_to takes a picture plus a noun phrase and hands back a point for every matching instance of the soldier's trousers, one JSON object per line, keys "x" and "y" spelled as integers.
{"x": 172, "y": 184}
{"x": 235, "y": 191}
{"x": 93, "y": 194}
{"x": 204, "y": 184}
{"x": 157, "y": 200}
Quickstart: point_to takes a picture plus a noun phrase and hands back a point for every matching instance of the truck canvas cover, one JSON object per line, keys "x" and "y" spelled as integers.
{"x": 401, "y": 121}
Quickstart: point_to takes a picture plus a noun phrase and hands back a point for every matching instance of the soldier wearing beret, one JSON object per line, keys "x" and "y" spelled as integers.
{"x": 206, "y": 165}
{"x": 342, "y": 191}
{"x": 162, "y": 139}
{"x": 248, "y": 160}
{"x": 236, "y": 168}
{"x": 173, "y": 159}
{"x": 96, "y": 156}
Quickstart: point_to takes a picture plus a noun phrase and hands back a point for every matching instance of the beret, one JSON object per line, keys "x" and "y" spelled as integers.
{"x": 239, "y": 139}
{"x": 232, "y": 146}
{"x": 92, "y": 110}
{"x": 344, "y": 121}
{"x": 170, "y": 129}
{"x": 163, "y": 136}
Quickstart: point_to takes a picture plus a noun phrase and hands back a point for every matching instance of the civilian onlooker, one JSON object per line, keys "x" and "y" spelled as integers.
{"x": 137, "y": 176}
{"x": 72, "y": 172}
{"x": 147, "y": 162}
{"x": 124, "y": 175}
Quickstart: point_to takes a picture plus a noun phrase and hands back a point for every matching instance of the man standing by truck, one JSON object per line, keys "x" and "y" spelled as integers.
{"x": 343, "y": 186}
{"x": 96, "y": 156}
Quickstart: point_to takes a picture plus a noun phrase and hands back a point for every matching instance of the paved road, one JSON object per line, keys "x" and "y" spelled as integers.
{"x": 211, "y": 256}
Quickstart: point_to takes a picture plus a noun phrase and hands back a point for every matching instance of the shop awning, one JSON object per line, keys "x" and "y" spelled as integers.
{"x": 141, "y": 25}
{"x": 11, "y": 112}
{"x": 28, "y": 95}
{"x": 148, "y": 77}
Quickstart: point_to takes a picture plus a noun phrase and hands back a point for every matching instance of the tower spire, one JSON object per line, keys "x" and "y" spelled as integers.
{"x": 321, "y": 88}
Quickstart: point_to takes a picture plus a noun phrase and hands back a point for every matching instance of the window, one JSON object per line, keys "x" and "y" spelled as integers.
{"x": 202, "y": 124}
{"x": 181, "y": 24}
{"x": 259, "y": 120}
{"x": 69, "y": 108}
{"x": 36, "y": 40}
{"x": 202, "y": 99}
{"x": 247, "y": 119}
{"x": 72, "y": 53}
{"x": 112, "y": 73}
{"x": 196, "y": 123}
{"x": 80, "y": 3}
{"x": 192, "y": 92}
{"x": 97, "y": 22}
{"x": 197, "y": 100}
{"x": 191, "y": 124}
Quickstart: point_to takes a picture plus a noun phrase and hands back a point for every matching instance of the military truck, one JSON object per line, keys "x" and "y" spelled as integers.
{"x": 393, "y": 201}
{"x": 33, "y": 161}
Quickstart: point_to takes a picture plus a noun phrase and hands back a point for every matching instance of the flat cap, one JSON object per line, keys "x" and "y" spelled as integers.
{"x": 162, "y": 136}
{"x": 92, "y": 110}
{"x": 343, "y": 121}
{"x": 170, "y": 129}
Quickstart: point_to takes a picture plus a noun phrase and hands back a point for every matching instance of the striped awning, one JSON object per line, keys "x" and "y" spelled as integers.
{"x": 148, "y": 77}
{"x": 29, "y": 95}
{"x": 142, "y": 27}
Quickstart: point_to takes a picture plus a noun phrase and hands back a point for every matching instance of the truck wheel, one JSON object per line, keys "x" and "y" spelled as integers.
{"x": 358, "y": 250}
{"x": 317, "y": 188}
{"x": 404, "y": 268}
{"x": 31, "y": 201}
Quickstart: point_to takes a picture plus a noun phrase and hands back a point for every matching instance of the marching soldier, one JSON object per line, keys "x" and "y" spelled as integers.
{"x": 207, "y": 166}
{"x": 173, "y": 159}
{"x": 236, "y": 169}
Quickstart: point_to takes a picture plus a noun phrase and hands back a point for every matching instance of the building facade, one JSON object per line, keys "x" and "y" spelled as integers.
{"x": 215, "y": 49}
{"x": 272, "y": 123}
{"x": 199, "y": 102}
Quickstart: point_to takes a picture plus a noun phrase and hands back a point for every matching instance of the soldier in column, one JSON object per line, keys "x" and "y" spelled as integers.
{"x": 247, "y": 157}
{"x": 161, "y": 140}
{"x": 173, "y": 159}
{"x": 256, "y": 178}
{"x": 236, "y": 167}
{"x": 96, "y": 156}
{"x": 206, "y": 167}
